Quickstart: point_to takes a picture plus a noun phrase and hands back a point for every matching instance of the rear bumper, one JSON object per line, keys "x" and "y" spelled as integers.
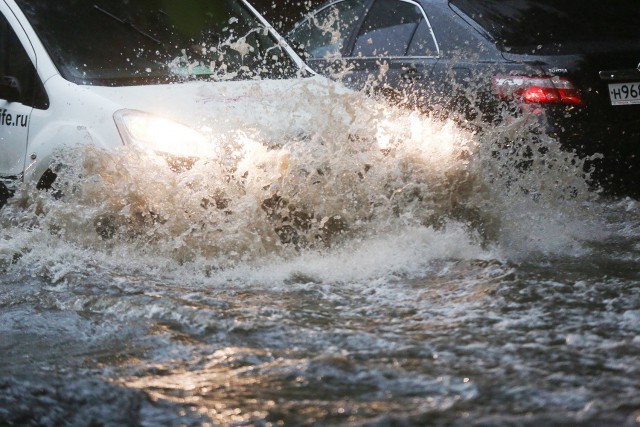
{"x": 617, "y": 170}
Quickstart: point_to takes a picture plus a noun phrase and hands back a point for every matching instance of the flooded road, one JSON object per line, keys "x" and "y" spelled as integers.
{"x": 406, "y": 272}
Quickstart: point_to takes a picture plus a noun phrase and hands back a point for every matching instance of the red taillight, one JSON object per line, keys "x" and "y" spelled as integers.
{"x": 537, "y": 90}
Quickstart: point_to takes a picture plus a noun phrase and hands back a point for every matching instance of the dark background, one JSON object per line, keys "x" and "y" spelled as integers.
{"x": 283, "y": 14}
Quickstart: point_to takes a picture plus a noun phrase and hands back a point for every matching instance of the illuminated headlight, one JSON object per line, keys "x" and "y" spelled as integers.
{"x": 161, "y": 135}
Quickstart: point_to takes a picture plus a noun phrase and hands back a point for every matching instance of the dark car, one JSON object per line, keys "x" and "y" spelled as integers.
{"x": 574, "y": 63}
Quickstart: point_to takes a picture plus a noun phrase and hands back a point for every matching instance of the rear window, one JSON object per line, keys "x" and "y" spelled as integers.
{"x": 565, "y": 26}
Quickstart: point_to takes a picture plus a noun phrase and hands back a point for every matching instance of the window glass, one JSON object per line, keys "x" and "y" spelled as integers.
{"x": 423, "y": 43}
{"x": 15, "y": 64}
{"x": 325, "y": 33}
{"x": 117, "y": 42}
{"x": 521, "y": 26}
{"x": 388, "y": 29}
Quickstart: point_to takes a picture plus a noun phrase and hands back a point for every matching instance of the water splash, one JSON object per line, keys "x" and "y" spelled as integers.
{"x": 364, "y": 174}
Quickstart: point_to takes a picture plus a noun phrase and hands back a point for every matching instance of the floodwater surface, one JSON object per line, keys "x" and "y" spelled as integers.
{"x": 404, "y": 271}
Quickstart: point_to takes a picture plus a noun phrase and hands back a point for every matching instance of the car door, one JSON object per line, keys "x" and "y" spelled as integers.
{"x": 394, "y": 51}
{"x": 14, "y": 115}
{"x": 20, "y": 92}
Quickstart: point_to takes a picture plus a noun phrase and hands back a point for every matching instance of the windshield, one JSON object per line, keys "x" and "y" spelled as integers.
{"x": 119, "y": 42}
{"x": 567, "y": 26}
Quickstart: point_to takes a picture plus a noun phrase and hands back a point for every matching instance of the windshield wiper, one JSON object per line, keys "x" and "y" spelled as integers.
{"x": 128, "y": 24}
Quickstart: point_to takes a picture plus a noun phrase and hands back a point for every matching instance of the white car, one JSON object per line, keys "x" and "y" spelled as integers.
{"x": 166, "y": 75}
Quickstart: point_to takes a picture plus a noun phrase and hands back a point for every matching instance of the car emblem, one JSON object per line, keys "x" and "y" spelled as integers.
{"x": 560, "y": 70}
{"x": 638, "y": 67}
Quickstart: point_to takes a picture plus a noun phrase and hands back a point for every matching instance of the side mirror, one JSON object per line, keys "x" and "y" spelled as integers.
{"x": 10, "y": 89}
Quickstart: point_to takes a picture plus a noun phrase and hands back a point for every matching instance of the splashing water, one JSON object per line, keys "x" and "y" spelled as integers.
{"x": 380, "y": 266}
{"x": 372, "y": 172}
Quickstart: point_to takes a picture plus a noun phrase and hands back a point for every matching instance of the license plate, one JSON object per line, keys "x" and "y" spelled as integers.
{"x": 624, "y": 93}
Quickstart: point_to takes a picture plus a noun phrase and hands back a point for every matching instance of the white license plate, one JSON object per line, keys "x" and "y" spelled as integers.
{"x": 624, "y": 93}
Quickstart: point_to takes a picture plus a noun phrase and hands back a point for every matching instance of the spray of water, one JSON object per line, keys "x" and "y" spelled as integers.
{"x": 363, "y": 170}
{"x": 324, "y": 170}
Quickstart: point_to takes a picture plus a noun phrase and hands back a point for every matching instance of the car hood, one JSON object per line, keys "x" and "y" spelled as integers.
{"x": 272, "y": 107}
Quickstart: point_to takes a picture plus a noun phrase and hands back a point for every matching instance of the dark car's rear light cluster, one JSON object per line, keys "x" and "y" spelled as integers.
{"x": 537, "y": 90}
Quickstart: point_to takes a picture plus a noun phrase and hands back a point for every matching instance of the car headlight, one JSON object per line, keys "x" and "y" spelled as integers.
{"x": 161, "y": 135}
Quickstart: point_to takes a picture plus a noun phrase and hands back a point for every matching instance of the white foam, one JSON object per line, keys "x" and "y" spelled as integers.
{"x": 369, "y": 191}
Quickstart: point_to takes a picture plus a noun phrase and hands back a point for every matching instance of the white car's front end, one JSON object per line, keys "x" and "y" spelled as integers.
{"x": 232, "y": 72}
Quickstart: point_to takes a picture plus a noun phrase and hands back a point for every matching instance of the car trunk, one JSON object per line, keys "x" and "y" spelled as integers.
{"x": 598, "y": 126}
